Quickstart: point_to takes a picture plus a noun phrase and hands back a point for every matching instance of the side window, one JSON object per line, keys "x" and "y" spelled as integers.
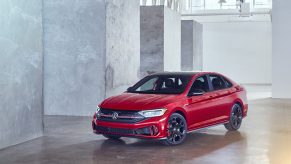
{"x": 228, "y": 84}
{"x": 200, "y": 83}
{"x": 217, "y": 82}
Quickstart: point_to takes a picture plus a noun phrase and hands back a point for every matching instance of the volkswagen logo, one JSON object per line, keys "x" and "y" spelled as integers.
{"x": 114, "y": 115}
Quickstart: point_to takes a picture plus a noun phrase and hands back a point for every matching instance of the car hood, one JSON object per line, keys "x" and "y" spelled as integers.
{"x": 136, "y": 101}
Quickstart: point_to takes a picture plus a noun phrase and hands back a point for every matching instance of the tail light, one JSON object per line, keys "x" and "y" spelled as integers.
{"x": 240, "y": 88}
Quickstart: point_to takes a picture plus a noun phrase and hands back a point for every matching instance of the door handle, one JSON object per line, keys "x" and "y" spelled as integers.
{"x": 211, "y": 96}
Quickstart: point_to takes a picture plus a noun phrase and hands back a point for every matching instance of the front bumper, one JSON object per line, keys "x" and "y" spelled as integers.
{"x": 151, "y": 128}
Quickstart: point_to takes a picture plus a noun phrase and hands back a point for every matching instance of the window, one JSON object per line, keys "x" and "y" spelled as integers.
{"x": 201, "y": 84}
{"x": 196, "y": 5}
{"x": 149, "y": 85}
{"x": 228, "y": 84}
{"x": 162, "y": 84}
{"x": 217, "y": 82}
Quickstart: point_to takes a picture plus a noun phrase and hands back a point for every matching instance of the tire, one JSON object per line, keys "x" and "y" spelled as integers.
{"x": 111, "y": 136}
{"x": 176, "y": 130}
{"x": 235, "y": 119}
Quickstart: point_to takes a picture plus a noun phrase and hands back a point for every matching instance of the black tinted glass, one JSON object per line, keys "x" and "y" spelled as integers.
{"x": 201, "y": 84}
{"x": 162, "y": 84}
{"x": 217, "y": 82}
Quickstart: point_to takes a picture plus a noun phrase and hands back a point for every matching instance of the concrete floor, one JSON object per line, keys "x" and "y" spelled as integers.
{"x": 265, "y": 137}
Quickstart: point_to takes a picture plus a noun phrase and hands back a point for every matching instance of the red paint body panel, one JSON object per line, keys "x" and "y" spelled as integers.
{"x": 202, "y": 111}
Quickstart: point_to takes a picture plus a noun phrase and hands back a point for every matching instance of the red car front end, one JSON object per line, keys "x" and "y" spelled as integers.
{"x": 151, "y": 128}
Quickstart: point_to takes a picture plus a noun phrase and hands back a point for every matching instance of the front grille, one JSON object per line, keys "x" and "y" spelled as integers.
{"x": 103, "y": 129}
{"x": 119, "y": 116}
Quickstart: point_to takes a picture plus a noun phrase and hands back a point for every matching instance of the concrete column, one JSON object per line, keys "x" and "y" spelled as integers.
{"x": 187, "y": 45}
{"x": 21, "y": 59}
{"x": 91, "y": 52}
{"x": 281, "y": 25}
{"x": 74, "y": 53}
{"x": 191, "y": 45}
{"x": 122, "y": 45}
{"x": 160, "y": 40}
{"x": 198, "y": 46}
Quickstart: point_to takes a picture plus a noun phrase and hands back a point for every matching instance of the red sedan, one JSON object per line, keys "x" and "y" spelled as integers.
{"x": 168, "y": 105}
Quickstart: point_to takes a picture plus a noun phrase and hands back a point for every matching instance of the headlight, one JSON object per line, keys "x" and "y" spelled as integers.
{"x": 152, "y": 113}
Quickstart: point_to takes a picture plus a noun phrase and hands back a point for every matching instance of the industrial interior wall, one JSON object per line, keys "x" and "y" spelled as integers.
{"x": 21, "y": 72}
{"x": 74, "y": 56}
{"x": 151, "y": 39}
{"x": 240, "y": 50}
{"x": 122, "y": 45}
{"x": 172, "y": 40}
{"x": 281, "y": 49}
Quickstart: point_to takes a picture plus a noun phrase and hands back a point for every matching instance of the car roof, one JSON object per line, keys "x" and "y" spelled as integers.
{"x": 182, "y": 73}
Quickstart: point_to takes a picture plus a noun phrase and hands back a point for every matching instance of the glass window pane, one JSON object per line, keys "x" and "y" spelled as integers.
{"x": 212, "y": 4}
{"x": 262, "y": 4}
{"x": 197, "y": 4}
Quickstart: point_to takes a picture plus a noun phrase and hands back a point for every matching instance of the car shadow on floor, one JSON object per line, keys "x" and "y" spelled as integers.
{"x": 133, "y": 150}
{"x": 196, "y": 145}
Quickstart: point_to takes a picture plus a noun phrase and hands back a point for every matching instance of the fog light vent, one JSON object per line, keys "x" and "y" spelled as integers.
{"x": 148, "y": 131}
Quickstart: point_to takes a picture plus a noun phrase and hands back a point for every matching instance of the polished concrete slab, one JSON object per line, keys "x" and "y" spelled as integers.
{"x": 265, "y": 137}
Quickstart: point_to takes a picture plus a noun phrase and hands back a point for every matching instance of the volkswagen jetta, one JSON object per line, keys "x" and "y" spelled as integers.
{"x": 168, "y": 105}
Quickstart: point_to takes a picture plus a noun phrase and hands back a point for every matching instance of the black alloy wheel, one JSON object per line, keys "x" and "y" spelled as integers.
{"x": 235, "y": 118}
{"x": 176, "y": 130}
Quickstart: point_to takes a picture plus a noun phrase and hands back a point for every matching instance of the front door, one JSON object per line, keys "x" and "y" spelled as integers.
{"x": 200, "y": 107}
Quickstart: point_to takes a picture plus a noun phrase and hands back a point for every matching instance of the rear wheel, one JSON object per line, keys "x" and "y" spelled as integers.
{"x": 111, "y": 136}
{"x": 176, "y": 130}
{"x": 235, "y": 118}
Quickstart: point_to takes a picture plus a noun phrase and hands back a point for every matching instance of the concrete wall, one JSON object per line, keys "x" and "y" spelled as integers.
{"x": 240, "y": 50}
{"x": 122, "y": 45}
{"x": 91, "y": 52}
{"x": 281, "y": 22}
{"x": 172, "y": 40}
{"x": 151, "y": 39}
{"x": 20, "y": 71}
{"x": 74, "y": 55}
{"x": 160, "y": 39}
{"x": 191, "y": 45}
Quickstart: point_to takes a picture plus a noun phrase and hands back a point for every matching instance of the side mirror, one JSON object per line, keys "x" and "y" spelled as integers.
{"x": 196, "y": 92}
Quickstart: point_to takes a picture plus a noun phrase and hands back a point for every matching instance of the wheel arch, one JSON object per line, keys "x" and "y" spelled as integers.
{"x": 180, "y": 111}
{"x": 241, "y": 104}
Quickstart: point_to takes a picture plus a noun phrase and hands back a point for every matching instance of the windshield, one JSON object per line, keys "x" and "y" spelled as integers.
{"x": 162, "y": 84}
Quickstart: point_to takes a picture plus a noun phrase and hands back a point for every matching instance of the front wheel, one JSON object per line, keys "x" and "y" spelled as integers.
{"x": 176, "y": 130}
{"x": 235, "y": 118}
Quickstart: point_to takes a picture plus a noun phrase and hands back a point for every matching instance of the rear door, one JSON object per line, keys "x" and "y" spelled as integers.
{"x": 220, "y": 92}
{"x": 200, "y": 108}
